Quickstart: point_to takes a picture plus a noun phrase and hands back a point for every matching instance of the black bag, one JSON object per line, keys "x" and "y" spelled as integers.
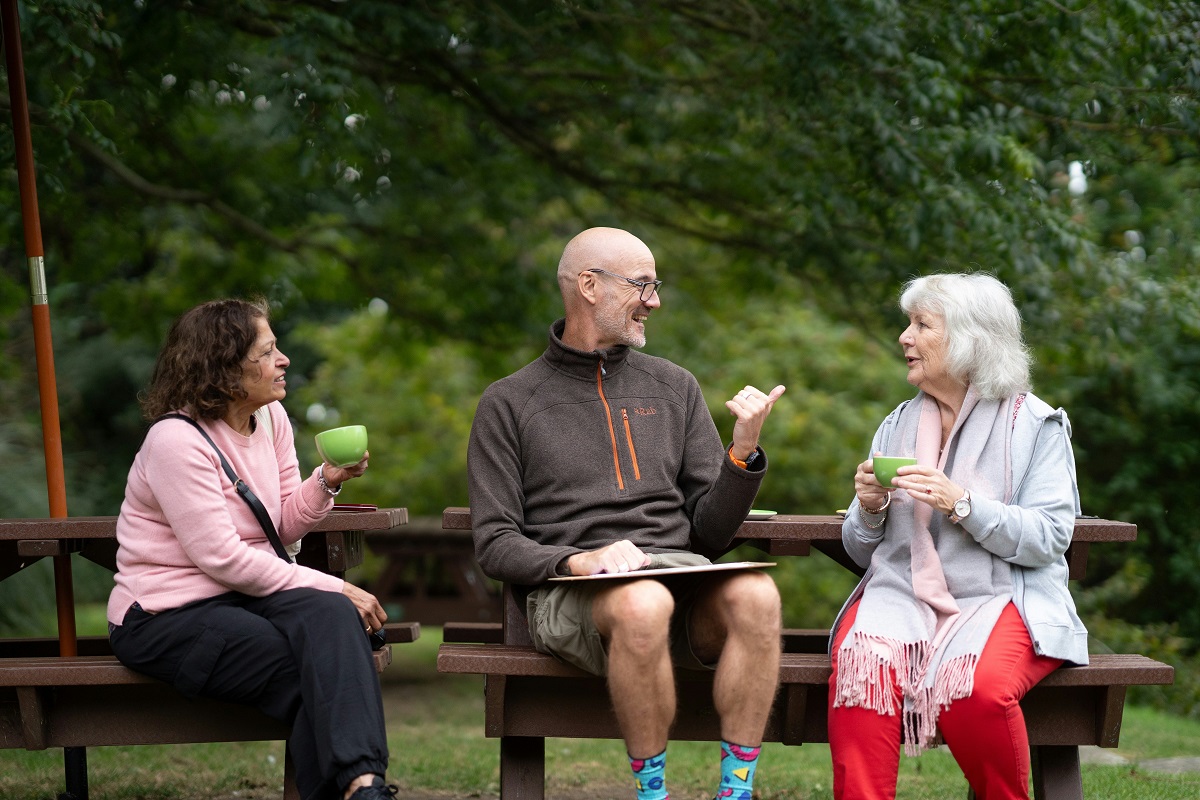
{"x": 378, "y": 638}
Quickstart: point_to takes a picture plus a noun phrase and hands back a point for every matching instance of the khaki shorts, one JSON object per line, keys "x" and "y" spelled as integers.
{"x": 561, "y": 624}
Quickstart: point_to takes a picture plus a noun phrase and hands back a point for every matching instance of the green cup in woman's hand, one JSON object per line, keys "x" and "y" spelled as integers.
{"x": 342, "y": 447}
{"x": 886, "y": 466}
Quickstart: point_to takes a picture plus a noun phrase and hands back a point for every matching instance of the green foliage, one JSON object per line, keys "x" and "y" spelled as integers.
{"x": 416, "y": 400}
{"x": 789, "y": 163}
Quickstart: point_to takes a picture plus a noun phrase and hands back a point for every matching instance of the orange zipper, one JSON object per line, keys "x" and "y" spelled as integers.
{"x": 637, "y": 474}
{"x": 612, "y": 434}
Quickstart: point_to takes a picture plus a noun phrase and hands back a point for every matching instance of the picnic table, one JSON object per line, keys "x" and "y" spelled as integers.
{"x": 87, "y": 698}
{"x": 525, "y": 691}
{"x": 430, "y": 575}
{"x": 800, "y": 534}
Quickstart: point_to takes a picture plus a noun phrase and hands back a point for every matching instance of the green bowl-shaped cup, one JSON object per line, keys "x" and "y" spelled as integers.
{"x": 342, "y": 447}
{"x": 886, "y": 466}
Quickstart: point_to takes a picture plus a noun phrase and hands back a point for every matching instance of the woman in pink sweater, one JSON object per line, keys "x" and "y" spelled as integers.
{"x": 202, "y": 599}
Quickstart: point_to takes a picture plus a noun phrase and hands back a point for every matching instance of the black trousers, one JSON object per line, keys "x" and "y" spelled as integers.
{"x": 300, "y": 656}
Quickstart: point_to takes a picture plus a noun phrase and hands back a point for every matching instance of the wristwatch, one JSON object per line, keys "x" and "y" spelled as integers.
{"x": 962, "y": 508}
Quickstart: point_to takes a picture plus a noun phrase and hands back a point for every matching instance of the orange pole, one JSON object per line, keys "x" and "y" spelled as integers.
{"x": 44, "y": 350}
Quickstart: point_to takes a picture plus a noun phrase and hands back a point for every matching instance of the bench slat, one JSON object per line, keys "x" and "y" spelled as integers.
{"x": 810, "y": 668}
{"x": 1113, "y": 669}
{"x": 402, "y": 632}
{"x": 483, "y": 632}
{"x": 95, "y": 671}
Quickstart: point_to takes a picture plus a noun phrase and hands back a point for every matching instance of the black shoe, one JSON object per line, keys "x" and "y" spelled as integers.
{"x": 378, "y": 790}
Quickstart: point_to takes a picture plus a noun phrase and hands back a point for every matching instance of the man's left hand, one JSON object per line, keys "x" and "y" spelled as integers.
{"x": 751, "y": 408}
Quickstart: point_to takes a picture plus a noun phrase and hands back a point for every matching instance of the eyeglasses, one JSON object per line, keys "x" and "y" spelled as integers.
{"x": 647, "y": 288}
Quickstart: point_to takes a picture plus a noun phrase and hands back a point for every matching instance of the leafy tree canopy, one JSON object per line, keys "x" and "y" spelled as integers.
{"x": 790, "y": 163}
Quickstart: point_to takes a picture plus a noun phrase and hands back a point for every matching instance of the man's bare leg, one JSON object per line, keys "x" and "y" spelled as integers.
{"x": 634, "y": 618}
{"x": 736, "y": 621}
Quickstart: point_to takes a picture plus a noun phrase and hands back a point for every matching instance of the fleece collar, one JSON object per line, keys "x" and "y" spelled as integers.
{"x": 579, "y": 363}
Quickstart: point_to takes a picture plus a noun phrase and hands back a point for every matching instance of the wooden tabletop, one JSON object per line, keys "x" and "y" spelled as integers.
{"x": 334, "y": 545}
{"x": 106, "y": 527}
{"x": 797, "y": 534}
{"x": 828, "y": 527}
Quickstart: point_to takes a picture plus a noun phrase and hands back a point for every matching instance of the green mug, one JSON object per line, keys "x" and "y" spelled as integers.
{"x": 342, "y": 447}
{"x": 886, "y": 466}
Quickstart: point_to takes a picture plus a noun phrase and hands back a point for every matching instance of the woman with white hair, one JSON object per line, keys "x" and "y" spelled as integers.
{"x": 964, "y": 605}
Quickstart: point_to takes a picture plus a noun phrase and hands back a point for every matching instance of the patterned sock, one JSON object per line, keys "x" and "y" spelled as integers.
{"x": 737, "y": 771}
{"x": 648, "y": 776}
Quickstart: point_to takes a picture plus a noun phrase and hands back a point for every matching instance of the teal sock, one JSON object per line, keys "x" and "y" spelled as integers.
{"x": 648, "y": 776}
{"x": 737, "y": 771}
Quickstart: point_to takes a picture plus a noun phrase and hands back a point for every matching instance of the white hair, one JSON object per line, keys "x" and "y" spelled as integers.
{"x": 984, "y": 347}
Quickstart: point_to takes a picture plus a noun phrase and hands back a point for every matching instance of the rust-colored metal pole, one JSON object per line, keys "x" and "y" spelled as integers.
{"x": 56, "y": 486}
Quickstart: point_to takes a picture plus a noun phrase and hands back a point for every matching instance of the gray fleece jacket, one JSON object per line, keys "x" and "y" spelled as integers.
{"x": 579, "y": 450}
{"x": 1031, "y": 532}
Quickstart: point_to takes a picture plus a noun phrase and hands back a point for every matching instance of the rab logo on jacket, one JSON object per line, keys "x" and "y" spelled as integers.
{"x": 645, "y": 412}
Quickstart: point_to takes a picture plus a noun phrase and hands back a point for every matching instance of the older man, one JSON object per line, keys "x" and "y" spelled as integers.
{"x": 598, "y": 459}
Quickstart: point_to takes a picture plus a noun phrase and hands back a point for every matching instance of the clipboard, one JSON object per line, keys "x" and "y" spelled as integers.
{"x": 731, "y": 566}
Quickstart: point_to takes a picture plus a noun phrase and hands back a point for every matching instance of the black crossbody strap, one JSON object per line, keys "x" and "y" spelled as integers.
{"x": 256, "y": 506}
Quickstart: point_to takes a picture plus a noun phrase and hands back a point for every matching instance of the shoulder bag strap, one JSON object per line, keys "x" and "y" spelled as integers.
{"x": 243, "y": 490}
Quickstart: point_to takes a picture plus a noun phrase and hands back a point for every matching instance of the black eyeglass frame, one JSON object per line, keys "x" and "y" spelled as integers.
{"x": 642, "y": 285}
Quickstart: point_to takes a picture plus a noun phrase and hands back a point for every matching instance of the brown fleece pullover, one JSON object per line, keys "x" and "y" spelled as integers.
{"x": 579, "y": 450}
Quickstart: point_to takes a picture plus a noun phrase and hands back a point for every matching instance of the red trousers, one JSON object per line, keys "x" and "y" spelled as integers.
{"x": 985, "y": 731}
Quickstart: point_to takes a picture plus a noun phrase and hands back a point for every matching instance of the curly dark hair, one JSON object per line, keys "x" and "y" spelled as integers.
{"x": 200, "y": 366}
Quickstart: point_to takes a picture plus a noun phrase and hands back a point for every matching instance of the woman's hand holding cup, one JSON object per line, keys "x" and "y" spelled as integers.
{"x": 336, "y": 476}
{"x": 344, "y": 451}
{"x": 871, "y": 494}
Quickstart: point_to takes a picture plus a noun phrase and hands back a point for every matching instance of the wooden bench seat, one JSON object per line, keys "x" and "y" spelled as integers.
{"x": 93, "y": 700}
{"x": 526, "y": 692}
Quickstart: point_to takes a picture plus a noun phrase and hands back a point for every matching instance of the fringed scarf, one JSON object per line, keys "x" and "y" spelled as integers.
{"x": 932, "y": 594}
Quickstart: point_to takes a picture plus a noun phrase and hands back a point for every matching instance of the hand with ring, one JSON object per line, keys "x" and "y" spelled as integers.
{"x": 929, "y": 485}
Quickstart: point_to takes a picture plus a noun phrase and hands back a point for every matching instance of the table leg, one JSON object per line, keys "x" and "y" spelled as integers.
{"x": 522, "y": 768}
{"x": 1056, "y": 773}
{"x": 75, "y": 769}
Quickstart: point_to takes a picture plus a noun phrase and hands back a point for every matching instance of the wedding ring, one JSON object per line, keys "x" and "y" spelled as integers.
{"x": 928, "y": 490}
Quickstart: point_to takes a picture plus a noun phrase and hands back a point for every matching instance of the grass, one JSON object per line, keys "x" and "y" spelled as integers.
{"x": 438, "y": 750}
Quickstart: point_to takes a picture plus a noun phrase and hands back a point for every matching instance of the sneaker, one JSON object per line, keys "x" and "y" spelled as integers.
{"x": 378, "y": 790}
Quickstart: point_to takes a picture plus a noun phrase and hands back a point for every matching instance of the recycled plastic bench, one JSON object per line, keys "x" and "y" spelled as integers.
{"x": 91, "y": 699}
{"x": 526, "y": 691}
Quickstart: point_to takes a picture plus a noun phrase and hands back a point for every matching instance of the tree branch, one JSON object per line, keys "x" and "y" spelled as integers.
{"x": 171, "y": 194}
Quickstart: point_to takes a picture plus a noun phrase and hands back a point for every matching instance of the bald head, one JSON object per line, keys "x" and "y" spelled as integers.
{"x": 601, "y": 309}
{"x": 599, "y": 248}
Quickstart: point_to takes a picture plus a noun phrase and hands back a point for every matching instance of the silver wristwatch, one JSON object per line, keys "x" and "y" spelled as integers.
{"x": 329, "y": 490}
{"x": 962, "y": 508}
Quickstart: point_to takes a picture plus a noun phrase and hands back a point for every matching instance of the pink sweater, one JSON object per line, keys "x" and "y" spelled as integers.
{"x": 184, "y": 534}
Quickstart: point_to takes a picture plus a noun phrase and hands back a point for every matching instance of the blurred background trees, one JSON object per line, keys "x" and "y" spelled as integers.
{"x": 399, "y": 180}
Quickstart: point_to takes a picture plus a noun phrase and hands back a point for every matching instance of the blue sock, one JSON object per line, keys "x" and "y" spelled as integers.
{"x": 737, "y": 771}
{"x": 648, "y": 776}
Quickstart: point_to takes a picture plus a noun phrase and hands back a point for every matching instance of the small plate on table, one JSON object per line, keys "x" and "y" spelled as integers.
{"x": 760, "y": 513}
{"x": 355, "y": 507}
